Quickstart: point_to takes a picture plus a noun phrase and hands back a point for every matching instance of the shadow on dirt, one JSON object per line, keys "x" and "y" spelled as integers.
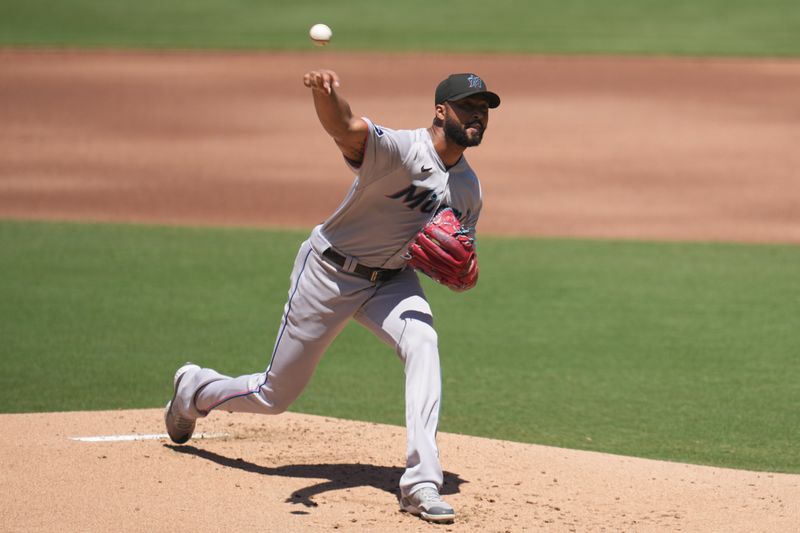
{"x": 339, "y": 475}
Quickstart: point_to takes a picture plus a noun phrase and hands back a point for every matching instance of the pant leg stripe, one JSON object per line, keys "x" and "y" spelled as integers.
{"x": 284, "y": 321}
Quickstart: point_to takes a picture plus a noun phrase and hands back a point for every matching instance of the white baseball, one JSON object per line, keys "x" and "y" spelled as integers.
{"x": 321, "y": 34}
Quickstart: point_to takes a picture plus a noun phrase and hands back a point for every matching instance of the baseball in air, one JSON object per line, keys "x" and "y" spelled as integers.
{"x": 321, "y": 34}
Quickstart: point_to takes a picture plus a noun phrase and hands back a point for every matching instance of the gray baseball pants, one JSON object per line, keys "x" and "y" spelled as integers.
{"x": 321, "y": 301}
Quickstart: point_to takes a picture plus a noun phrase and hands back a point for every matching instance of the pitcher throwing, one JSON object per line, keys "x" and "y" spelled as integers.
{"x": 362, "y": 263}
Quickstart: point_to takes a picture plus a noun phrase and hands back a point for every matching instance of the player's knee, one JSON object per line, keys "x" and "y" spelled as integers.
{"x": 419, "y": 337}
{"x": 279, "y": 408}
{"x": 277, "y": 401}
{"x": 276, "y": 407}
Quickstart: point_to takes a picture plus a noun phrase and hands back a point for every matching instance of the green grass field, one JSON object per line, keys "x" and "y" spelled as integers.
{"x": 666, "y": 350}
{"x": 707, "y": 27}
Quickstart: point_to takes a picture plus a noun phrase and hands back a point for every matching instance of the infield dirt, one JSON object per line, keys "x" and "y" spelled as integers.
{"x": 591, "y": 147}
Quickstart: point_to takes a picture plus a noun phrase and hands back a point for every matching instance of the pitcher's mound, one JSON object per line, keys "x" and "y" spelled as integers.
{"x": 308, "y": 473}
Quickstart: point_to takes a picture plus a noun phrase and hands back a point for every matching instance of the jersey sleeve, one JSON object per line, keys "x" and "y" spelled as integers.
{"x": 472, "y": 219}
{"x": 383, "y": 152}
{"x": 468, "y": 200}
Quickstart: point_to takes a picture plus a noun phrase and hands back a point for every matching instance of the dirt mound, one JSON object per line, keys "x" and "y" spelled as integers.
{"x": 307, "y": 473}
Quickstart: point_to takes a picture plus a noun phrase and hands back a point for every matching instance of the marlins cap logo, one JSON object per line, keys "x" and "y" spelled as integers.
{"x": 474, "y": 82}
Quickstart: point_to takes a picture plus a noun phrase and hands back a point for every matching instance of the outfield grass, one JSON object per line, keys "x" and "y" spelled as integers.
{"x": 676, "y": 351}
{"x": 707, "y": 27}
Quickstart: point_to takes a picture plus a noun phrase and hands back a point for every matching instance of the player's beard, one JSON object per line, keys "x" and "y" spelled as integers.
{"x": 458, "y": 134}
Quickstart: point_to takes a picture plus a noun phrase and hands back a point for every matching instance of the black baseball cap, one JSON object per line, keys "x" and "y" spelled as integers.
{"x": 458, "y": 86}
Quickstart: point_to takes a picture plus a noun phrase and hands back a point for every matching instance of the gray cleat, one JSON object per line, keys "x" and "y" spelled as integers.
{"x": 427, "y": 504}
{"x": 179, "y": 427}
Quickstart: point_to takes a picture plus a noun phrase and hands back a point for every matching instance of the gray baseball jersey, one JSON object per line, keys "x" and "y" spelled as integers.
{"x": 398, "y": 188}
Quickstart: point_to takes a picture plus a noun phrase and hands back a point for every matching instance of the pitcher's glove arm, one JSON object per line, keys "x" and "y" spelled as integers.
{"x": 445, "y": 252}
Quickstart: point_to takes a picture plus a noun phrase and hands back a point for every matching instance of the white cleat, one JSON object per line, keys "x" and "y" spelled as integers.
{"x": 427, "y": 504}
{"x": 179, "y": 427}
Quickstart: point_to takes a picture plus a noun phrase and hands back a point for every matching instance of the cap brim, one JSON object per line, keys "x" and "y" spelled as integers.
{"x": 491, "y": 98}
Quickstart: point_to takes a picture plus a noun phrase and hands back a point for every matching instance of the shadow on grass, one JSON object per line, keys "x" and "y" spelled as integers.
{"x": 339, "y": 475}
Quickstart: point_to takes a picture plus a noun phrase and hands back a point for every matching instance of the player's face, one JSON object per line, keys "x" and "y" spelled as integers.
{"x": 466, "y": 120}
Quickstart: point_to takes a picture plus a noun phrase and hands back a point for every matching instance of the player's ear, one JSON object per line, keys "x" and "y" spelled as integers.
{"x": 441, "y": 111}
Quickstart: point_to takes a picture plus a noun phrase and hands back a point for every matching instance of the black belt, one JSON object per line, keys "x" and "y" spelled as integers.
{"x": 372, "y": 274}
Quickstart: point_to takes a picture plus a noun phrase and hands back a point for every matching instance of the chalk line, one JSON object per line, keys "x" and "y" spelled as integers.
{"x": 153, "y": 436}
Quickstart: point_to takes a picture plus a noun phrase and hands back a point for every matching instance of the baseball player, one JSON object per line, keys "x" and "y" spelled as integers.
{"x": 355, "y": 266}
